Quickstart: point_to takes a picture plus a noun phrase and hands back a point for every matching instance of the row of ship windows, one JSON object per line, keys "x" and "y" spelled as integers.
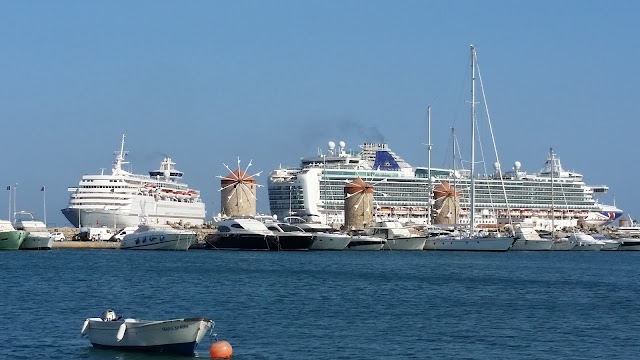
{"x": 111, "y": 180}
{"x": 488, "y": 198}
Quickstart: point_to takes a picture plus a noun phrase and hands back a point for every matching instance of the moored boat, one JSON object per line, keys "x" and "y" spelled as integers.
{"x": 10, "y": 238}
{"x": 39, "y": 238}
{"x": 527, "y": 239}
{"x": 158, "y": 237}
{"x": 398, "y": 237}
{"x": 361, "y": 241}
{"x": 324, "y": 236}
{"x": 562, "y": 244}
{"x": 629, "y": 244}
{"x": 173, "y": 336}
{"x": 251, "y": 234}
{"x": 585, "y": 242}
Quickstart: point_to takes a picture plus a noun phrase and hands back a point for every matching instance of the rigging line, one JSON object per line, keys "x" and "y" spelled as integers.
{"x": 493, "y": 140}
{"x": 446, "y": 154}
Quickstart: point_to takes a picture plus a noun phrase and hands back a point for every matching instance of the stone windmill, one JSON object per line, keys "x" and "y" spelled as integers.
{"x": 358, "y": 204}
{"x": 238, "y": 192}
{"x": 447, "y": 204}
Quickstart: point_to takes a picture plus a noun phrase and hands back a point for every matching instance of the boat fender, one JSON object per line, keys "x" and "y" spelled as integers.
{"x": 85, "y": 327}
{"x": 121, "y": 331}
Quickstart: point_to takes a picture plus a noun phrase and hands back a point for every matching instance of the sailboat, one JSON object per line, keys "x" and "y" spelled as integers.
{"x": 470, "y": 240}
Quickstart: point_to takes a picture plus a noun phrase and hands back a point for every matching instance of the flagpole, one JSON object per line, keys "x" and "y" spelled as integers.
{"x": 44, "y": 203}
{"x": 9, "y": 188}
{"x": 15, "y": 195}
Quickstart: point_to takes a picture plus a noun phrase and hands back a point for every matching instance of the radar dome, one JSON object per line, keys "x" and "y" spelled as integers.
{"x": 496, "y": 165}
{"x": 332, "y": 145}
{"x": 167, "y": 173}
{"x": 342, "y": 144}
{"x": 517, "y": 165}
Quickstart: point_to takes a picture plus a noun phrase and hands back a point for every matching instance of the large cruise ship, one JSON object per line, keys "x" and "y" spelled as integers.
{"x": 123, "y": 199}
{"x": 402, "y": 192}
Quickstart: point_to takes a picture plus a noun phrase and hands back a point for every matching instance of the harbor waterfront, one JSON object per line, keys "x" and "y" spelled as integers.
{"x": 332, "y": 305}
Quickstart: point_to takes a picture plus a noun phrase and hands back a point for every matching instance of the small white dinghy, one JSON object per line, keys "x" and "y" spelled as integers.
{"x": 174, "y": 336}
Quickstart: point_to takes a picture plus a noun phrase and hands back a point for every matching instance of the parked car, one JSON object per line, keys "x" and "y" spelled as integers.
{"x": 58, "y": 236}
{"x": 122, "y": 232}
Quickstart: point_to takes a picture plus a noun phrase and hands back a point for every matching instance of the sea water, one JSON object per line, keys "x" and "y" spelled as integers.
{"x": 331, "y": 305}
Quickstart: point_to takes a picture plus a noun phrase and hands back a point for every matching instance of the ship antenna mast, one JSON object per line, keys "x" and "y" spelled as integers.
{"x": 117, "y": 165}
{"x": 429, "y": 193}
{"x": 553, "y": 166}
{"x": 473, "y": 131}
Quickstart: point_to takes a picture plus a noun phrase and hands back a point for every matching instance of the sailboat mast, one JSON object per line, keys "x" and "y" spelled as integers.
{"x": 553, "y": 165}
{"x": 473, "y": 140}
{"x": 455, "y": 176}
{"x": 430, "y": 192}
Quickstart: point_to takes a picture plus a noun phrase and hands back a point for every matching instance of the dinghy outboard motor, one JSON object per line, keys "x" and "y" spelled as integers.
{"x": 109, "y": 315}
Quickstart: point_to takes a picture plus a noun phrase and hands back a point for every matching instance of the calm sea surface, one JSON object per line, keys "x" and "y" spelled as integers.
{"x": 332, "y": 305}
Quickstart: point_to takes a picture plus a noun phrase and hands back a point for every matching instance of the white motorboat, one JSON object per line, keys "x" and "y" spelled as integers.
{"x": 361, "y": 241}
{"x": 398, "y": 237}
{"x": 629, "y": 244}
{"x": 252, "y": 234}
{"x": 609, "y": 244}
{"x": 39, "y": 238}
{"x": 158, "y": 237}
{"x": 176, "y": 336}
{"x": 324, "y": 236}
{"x": 585, "y": 242}
{"x": 562, "y": 244}
{"x": 330, "y": 241}
{"x": 528, "y": 239}
{"x": 461, "y": 241}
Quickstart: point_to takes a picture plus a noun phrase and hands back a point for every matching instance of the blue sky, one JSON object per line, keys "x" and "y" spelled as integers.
{"x": 206, "y": 82}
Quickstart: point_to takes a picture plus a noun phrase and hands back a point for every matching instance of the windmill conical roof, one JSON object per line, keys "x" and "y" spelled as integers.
{"x": 238, "y": 176}
{"x": 358, "y": 186}
{"x": 444, "y": 190}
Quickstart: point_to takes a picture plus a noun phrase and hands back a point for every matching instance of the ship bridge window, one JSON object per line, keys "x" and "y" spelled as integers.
{"x": 237, "y": 226}
{"x": 223, "y": 229}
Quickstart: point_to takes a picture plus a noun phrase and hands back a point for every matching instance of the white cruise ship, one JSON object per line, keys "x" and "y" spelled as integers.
{"x": 123, "y": 199}
{"x": 402, "y": 191}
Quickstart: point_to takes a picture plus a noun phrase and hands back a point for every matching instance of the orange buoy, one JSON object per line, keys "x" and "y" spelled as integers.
{"x": 220, "y": 350}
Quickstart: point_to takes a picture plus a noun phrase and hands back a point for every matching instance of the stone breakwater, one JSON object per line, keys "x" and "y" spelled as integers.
{"x": 69, "y": 233}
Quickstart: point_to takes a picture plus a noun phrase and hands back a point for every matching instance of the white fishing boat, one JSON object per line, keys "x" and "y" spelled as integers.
{"x": 471, "y": 240}
{"x": 528, "y": 239}
{"x": 39, "y": 238}
{"x": 398, "y": 236}
{"x": 168, "y": 336}
{"x": 158, "y": 237}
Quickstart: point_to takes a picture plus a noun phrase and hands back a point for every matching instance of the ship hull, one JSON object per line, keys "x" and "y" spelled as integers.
{"x": 532, "y": 245}
{"x": 416, "y": 243}
{"x": 37, "y": 241}
{"x": 257, "y": 242}
{"x": 11, "y": 240}
{"x": 469, "y": 244}
{"x": 98, "y": 218}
